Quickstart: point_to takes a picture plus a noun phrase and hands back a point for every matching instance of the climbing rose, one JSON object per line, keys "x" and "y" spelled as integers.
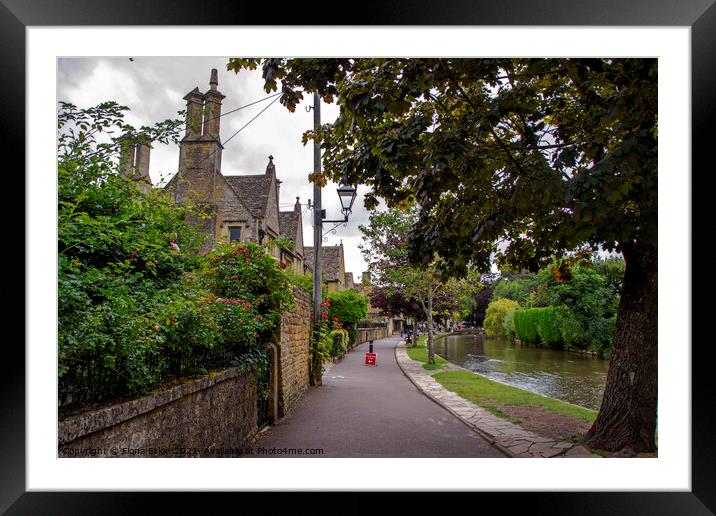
{"x": 239, "y": 249}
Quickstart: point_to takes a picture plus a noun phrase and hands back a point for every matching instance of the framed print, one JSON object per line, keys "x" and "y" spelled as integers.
{"x": 151, "y": 56}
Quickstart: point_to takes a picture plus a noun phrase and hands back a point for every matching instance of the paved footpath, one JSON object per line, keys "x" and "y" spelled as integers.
{"x": 366, "y": 411}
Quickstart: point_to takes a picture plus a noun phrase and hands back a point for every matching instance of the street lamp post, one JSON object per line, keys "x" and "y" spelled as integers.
{"x": 347, "y": 195}
{"x": 316, "y": 367}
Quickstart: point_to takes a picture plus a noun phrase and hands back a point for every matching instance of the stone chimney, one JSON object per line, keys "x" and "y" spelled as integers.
{"x": 142, "y": 160}
{"x": 194, "y": 108}
{"x": 134, "y": 163}
{"x": 212, "y": 108}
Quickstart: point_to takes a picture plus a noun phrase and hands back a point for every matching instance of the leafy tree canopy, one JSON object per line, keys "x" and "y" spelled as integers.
{"x": 543, "y": 155}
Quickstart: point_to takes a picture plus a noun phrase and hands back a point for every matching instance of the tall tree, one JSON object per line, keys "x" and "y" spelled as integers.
{"x": 516, "y": 159}
{"x": 385, "y": 250}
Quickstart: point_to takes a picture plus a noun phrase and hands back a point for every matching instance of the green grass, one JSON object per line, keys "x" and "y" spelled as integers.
{"x": 420, "y": 354}
{"x": 492, "y": 395}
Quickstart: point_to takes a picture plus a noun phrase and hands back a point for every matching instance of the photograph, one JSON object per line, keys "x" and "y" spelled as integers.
{"x": 386, "y": 255}
{"x": 357, "y": 257}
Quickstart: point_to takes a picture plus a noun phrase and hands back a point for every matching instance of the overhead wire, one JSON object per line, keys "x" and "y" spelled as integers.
{"x": 238, "y": 131}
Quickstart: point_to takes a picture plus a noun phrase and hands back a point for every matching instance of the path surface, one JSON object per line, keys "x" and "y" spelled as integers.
{"x": 365, "y": 411}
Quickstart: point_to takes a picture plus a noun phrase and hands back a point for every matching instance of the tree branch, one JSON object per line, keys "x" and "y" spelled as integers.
{"x": 500, "y": 143}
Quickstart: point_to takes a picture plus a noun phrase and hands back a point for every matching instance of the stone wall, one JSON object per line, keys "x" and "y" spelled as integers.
{"x": 211, "y": 416}
{"x": 293, "y": 353}
{"x": 366, "y": 334}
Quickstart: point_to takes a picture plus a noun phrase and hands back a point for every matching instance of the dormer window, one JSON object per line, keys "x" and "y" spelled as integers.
{"x": 234, "y": 234}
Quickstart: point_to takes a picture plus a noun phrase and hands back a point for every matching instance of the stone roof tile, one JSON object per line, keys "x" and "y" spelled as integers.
{"x": 331, "y": 258}
{"x": 254, "y": 190}
{"x": 288, "y": 224}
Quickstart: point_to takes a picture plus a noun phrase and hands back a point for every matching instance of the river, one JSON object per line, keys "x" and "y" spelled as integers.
{"x": 571, "y": 377}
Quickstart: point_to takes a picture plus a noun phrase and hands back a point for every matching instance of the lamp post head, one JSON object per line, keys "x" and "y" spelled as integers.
{"x": 347, "y": 195}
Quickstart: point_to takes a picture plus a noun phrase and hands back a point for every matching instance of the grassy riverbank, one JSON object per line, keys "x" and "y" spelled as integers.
{"x": 419, "y": 353}
{"x": 495, "y": 396}
{"x": 545, "y": 416}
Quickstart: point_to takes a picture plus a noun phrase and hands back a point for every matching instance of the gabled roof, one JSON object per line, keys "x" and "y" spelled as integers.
{"x": 254, "y": 190}
{"x": 288, "y": 224}
{"x": 331, "y": 258}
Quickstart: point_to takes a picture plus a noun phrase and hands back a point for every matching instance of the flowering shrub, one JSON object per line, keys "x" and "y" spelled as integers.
{"x": 249, "y": 281}
{"x": 348, "y": 307}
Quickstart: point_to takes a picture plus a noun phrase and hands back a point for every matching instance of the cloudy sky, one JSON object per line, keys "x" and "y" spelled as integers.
{"x": 153, "y": 89}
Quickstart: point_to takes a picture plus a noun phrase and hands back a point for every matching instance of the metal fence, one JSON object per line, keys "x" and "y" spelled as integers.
{"x": 89, "y": 379}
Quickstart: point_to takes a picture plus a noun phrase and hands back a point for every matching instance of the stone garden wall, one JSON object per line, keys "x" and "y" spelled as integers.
{"x": 366, "y": 334}
{"x": 210, "y": 416}
{"x": 293, "y": 353}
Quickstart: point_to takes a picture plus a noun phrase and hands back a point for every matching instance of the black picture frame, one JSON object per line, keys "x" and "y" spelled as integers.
{"x": 700, "y": 15}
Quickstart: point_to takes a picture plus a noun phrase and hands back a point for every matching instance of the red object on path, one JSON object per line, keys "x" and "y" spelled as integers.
{"x": 370, "y": 359}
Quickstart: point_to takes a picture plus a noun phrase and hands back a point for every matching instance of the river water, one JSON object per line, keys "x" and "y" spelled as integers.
{"x": 570, "y": 377}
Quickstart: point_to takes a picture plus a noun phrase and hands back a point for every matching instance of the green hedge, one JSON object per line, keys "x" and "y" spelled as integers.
{"x": 538, "y": 325}
{"x": 526, "y": 325}
{"x": 548, "y": 326}
{"x": 137, "y": 337}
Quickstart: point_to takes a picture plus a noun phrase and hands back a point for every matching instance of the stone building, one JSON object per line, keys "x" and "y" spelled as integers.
{"x": 350, "y": 284}
{"x": 334, "y": 267}
{"x": 237, "y": 207}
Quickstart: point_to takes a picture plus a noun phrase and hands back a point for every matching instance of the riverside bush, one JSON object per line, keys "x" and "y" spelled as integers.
{"x": 508, "y": 323}
{"x": 548, "y": 326}
{"x": 539, "y": 325}
{"x": 495, "y": 315}
{"x": 526, "y": 325}
{"x": 589, "y": 307}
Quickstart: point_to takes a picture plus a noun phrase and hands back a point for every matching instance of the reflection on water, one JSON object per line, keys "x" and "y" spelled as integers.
{"x": 570, "y": 377}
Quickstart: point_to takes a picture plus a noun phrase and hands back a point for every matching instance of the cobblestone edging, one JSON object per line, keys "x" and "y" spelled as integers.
{"x": 510, "y": 438}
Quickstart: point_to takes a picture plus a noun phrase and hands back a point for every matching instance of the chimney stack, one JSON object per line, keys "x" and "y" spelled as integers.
{"x": 212, "y": 111}
{"x": 194, "y": 107}
{"x": 134, "y": 162}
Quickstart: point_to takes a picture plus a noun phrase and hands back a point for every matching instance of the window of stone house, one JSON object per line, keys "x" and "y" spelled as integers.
{"x": 234, "y": 234}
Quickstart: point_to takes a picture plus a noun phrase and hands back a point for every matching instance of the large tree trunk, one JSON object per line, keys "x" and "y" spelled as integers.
{"x": 431, "y": 354}
{"x": 627, "y": 417}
